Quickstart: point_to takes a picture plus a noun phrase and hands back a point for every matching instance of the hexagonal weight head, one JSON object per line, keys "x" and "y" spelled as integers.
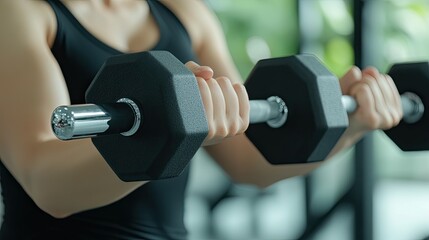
{"x": 316, "y": 117}
{"x": 173, "y": 119}
{"x": 412, "y": 77}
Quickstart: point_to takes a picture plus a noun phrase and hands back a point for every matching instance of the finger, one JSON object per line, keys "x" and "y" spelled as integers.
{"x": 244, "y": 104}
{"x": 218, "y": 101}
{"x": 206, "y": 97}
{"x": 364, "y": 96}
{"x": 234, "y": 122}
{"x": 200, "y": 71}
{"x": 395, "y": 90}
{"x": 390, "y": 98}
{"x": 382, "y": 83}
{"x": 385, "y": 91}
{"x": 372, "y": 71}
{"x": 397, "y": 98}
{"x": 191, "y": 65}
{"x": 231, "y": 99}
{"x": 350, "y": 78}
{"x": 381, "y": 106}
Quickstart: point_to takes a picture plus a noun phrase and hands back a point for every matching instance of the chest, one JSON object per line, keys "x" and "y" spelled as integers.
{"x": 129, "y": 27}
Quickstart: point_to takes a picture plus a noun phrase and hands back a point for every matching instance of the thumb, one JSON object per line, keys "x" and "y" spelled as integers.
{"x": 204, "y": 72}
{"x": 353, "y": 75}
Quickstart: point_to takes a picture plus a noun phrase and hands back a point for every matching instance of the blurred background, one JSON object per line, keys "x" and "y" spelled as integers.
{"x": 373, "y": 191}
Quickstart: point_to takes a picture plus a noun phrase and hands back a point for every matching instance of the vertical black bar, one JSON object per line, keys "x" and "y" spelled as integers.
{"x": 358, "y": 29}
{"x": 364, "y": 182}
{"x": 363, "y": 189}
{"x": 309, "y": 215}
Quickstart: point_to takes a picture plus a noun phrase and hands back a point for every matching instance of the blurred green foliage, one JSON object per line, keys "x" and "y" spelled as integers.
{"x": 327, "y": 31}
{"x": 276, "y": 23}
{"x": 272, "y": 22}
{"x": 400, "y": 31}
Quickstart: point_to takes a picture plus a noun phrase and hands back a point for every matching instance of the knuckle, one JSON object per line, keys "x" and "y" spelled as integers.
{"x": 224, "y": 82}
{"x": 243, "y": 128}
{"x": 386, "y": 122}
{"x": 372, "y": 83}
{"x": 389, "y": 121}
{"x": 200, "y": 80}
{"x": 397, "y": 116}
{"x": 400, "y": 115}
{"x": 371, "y": 71}
{"x": 396, "y": 120}
{"x": 212, "y": 82}
{"x": 234, "y": 128}
{"x": 210, "y": 135}
{"x": 389, "y": 79}
{"x": 358, "y": 88}
{"x": 239, "y": 88}
{"x": 223, "y": 79}
{"x": 245, "y": 125}
{"x": 222, "y": 131}
{"x": 191, "y": 65}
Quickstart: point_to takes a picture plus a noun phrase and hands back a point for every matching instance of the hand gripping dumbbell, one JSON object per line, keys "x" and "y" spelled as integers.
{"x": 149, "y": 119}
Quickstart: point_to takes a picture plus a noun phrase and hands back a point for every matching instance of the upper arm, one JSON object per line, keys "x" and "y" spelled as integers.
{"x": 31, "y": 83}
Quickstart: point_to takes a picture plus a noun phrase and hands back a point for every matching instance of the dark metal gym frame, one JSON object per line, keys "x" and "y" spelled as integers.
{"x": 360, "y": 195}
{"x": 364, "y": 167}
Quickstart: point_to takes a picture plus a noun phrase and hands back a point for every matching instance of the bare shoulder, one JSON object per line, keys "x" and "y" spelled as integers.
{"x": 17, "y": 17}
{"x": 194, "y": 14}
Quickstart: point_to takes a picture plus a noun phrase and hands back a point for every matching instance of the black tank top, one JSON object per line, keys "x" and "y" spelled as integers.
{"x": 155, "y": 210}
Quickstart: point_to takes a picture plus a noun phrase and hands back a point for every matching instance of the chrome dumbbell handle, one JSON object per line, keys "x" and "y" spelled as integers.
{"x": 125, "y": 117}
{"x": 91, "y": 120}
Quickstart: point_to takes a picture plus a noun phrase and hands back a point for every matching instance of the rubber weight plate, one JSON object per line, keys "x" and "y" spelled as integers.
{"x": 412, "y": 77}
{"x": 316, "y": 118}
{"x": 173, "y": 119}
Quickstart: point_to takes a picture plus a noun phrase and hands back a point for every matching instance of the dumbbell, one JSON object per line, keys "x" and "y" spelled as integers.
{"x": 411, "y": 79}
{"x": 149, "y": 120}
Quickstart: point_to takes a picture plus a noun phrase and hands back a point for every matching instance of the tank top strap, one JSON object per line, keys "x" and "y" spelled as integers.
{"x": 172, "y": 30}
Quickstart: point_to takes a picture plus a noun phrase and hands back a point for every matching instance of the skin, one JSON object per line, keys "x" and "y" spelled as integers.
{"x": 64, "y": 178}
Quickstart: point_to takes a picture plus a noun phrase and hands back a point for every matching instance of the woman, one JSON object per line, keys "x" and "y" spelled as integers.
{"x": 50, "y": 51}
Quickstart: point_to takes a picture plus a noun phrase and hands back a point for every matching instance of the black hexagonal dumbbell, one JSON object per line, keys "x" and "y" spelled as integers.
{"x": 312, "y": 100}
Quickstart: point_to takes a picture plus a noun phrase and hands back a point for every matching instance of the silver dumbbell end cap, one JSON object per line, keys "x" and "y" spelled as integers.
{"x": 62, "y": 123}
